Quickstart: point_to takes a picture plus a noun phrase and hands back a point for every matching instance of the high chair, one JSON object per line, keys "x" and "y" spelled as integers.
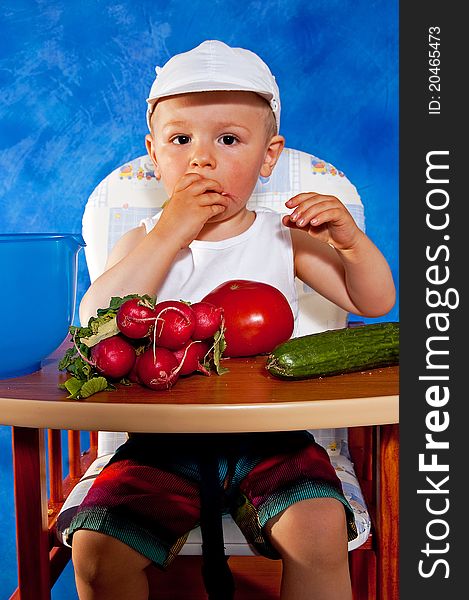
{"x": 131, "y": 193}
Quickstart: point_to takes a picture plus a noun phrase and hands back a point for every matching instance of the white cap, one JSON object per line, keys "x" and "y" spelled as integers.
{"x": 214, "y": 66}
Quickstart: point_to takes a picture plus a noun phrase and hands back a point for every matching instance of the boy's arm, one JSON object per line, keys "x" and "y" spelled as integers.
{"x": 139, "y": 262}
{"x": 333, "y": 256}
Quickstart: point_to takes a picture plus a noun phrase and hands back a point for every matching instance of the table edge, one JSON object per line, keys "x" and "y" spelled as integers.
{"x": 202, "y": 418}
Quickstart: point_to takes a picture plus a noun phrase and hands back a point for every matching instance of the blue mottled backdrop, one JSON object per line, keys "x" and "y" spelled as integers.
{"x": 73, "y": 81}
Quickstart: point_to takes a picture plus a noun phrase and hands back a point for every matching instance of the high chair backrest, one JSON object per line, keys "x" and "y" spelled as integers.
{"x": 130, "y": 193}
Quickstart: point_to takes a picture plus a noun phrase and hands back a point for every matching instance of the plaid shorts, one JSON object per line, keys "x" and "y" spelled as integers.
{"x": 148, "y": 497}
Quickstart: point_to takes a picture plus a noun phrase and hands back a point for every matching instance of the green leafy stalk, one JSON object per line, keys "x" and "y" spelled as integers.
{"x": 86, "y": 380}
{"x": 215, "y": 354}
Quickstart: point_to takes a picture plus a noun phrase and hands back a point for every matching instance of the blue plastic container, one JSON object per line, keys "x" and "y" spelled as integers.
{"x": 38, "y": 275}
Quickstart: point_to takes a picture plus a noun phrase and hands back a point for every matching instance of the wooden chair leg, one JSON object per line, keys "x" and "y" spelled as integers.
{"x": 387, "y": 513}
{"x": 363, "y": 574}
{"x": 29, "y": 464}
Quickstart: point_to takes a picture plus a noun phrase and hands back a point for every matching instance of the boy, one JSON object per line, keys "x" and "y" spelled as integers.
{"x": 214, "y": 114}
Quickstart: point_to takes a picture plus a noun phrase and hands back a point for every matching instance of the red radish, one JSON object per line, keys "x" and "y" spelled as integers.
{"x": 175, "y": 325}
{"x": 136, "y": 318}
{"x": 208, "y": 319}
{"x": 157, "y": 369}
{"x": 133, "y": 374}
{"x": 190, "y": 355}
{"x": 114, "y": 357}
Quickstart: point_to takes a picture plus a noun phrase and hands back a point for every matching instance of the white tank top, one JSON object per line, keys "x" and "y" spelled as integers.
{"x": 261, "y": 253}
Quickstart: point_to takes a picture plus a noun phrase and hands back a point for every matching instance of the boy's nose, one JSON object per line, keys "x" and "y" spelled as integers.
{"x": 202, "y": 158}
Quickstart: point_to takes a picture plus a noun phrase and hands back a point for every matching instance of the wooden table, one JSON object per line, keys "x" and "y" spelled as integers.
{"x": 247, "y": 398}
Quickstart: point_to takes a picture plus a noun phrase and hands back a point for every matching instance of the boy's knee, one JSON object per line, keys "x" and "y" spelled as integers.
{"x": 332, "y": 523}
{"x": 98, "y": 558}
{"x": 310, "y": 530}
{"x": 91, "y": 555}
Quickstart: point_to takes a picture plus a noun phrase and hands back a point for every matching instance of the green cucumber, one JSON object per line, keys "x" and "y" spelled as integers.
{"x": 336, "y": 351}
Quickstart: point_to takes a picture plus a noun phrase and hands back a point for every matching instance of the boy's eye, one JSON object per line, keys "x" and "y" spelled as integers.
{"x": 228, "y": 140}
{"x": 181, "y": 139}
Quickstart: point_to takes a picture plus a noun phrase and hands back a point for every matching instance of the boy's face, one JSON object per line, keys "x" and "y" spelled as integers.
{"x": 218, "y": 135}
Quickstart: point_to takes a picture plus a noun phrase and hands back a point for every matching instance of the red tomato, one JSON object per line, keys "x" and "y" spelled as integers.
{"x": 258, "y": 317}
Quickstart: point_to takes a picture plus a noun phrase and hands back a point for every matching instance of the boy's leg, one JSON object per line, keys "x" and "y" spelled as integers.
{"x": 107, "y": 569}
{"x": 311, "y": 538}
{"x": 137, "y": 512}
{"x": 291, "y": 504}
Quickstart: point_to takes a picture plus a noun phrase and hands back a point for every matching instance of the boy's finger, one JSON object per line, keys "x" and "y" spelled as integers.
{"x": 326, "y": 216}
{"x": 308, "y": 210}
{"x": 299, "y": 198}
{"x": 211, "y": 198}
{"x": 313, "y": 196}
{"x": 203, "y": 186}
{"x": 197, "y": 183}
{"x": 286, "y": 221}
{"x": 186, "y": 180}
{"x": 216, "y": 209}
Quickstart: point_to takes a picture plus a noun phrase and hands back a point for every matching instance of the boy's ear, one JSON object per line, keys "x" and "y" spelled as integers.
{"x": 150, "y": 146}
{"x": 273, "y": 152}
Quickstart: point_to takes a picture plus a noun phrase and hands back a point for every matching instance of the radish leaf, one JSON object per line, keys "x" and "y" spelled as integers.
{"x": 94, "y": 385}
{"x": 218, "y": 349}
{"x": 83, "y": 389}
{"x": 105, "y": 330}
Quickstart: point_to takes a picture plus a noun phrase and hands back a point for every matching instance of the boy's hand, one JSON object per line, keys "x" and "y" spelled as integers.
{"x": 194, "y": 201}
{"x": 324, "y": 218}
